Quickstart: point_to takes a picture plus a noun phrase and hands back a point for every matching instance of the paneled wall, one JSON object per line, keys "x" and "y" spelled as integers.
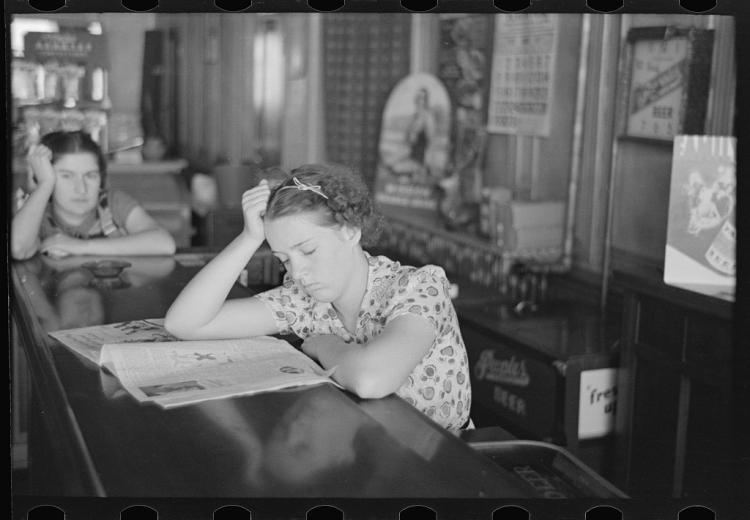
{"x": 215, "y": 115}
{"x": 596, "y": 155}
{"x": 217, "y": 119}
{"x": 303, "y": 129}
{"x": 642, "y": 169}
{"x": 125, "y": 35}
{"x": 537, "y": 168}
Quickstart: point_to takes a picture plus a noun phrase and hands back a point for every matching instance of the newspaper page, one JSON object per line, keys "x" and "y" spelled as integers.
{"x": 177, "y": 373}
{"x": 87, "y": 341}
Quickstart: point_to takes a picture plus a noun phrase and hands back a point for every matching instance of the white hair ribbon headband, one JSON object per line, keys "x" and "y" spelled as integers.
{"x": 301, "y": 186}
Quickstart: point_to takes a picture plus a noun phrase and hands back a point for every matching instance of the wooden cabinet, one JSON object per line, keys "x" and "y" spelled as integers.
{"x": 673, "y": 423}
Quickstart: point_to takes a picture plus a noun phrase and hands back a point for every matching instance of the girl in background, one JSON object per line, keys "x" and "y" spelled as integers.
{"x": 70, "y": 212}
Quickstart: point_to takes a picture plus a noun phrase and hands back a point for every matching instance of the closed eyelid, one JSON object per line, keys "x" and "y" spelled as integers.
{"x": 301, "y": 244}
{"x": 70, "y": 172}
{"x": 310, "y": 247}
{"x": 306, "y": 246}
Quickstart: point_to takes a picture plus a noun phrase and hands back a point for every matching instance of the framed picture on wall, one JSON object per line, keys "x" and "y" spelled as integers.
{"x": 666, "y": 74}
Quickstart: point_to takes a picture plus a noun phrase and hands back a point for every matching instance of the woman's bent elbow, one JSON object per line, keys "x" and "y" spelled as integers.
{"x": 21, "y": 253}
{"x": 170, "y": 248}
{"x": 175, "y": 328}
{"x": 371, "y": 388}
{"x": 168, "y": 245}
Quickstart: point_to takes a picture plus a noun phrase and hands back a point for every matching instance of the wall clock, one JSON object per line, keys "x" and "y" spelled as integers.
{"x": 666, "y": 73}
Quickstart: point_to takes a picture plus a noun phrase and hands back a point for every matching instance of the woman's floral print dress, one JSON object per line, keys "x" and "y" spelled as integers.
{"x": 439, "y": 385}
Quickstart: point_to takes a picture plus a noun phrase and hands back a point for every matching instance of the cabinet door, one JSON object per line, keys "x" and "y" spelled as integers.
{"x": 675, "y": 427}
{"x": 708, "y": 457}
{"x": 653, "y": 429}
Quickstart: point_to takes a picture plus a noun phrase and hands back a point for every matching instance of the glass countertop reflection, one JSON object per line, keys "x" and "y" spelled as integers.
{"x": 74, "y": 292}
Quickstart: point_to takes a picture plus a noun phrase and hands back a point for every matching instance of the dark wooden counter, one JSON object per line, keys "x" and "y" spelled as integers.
{"x": 89, "y": 438}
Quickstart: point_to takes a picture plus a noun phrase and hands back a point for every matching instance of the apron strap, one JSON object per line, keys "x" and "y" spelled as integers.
{"x": 106, "y": 221}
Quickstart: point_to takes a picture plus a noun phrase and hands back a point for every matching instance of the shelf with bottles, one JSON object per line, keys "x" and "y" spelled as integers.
{"x": 33, "y": 121}
{"x": 60, "y": 83}
{"x": 66, "y": 67}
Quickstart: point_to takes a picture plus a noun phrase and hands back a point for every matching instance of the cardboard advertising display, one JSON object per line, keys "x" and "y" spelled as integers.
{"x": 414, "y": 144}
{"x": 701, "y": 233}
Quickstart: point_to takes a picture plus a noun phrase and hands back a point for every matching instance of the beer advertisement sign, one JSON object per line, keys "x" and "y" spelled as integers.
{"x": 701, "y": 233}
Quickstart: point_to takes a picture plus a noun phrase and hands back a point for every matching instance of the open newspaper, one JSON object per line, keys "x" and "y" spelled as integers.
{"x": 159, "y": 369}
{"x": 87, "y": 341}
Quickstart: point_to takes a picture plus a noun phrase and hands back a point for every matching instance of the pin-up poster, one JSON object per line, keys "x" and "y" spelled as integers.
{"x": 701, "y": 232}
{"x": 523, "y": 71}
{"x": 414, "y": 143}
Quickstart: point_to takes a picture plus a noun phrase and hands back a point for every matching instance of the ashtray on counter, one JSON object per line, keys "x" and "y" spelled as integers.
{"x": 115, "y": 282}
{"x": 106, "y": 268}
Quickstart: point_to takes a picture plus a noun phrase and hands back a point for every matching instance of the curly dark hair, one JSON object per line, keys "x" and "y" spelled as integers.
{"x": 348, "y": 201}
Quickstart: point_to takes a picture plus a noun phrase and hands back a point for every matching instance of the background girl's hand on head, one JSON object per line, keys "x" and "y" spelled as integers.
{"x": 254, "y": 203}
{"x": 40, "y": 166}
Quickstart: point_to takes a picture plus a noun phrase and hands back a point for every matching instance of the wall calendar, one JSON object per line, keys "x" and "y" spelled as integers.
{"x": 523, "y": 71}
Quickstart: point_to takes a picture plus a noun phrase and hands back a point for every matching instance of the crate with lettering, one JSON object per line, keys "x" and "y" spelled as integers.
{"x": 547, "y": 376}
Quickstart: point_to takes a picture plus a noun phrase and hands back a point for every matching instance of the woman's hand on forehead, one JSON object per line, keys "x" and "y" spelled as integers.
{"x": 254, "y": 204}
{"x": 41, "y": 170}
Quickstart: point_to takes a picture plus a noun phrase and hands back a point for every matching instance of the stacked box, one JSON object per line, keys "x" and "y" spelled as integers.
{"x": 527, "y": 226}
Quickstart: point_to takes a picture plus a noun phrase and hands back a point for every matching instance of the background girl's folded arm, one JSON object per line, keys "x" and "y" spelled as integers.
{"x": 145, "y": 237}
{"x": 24, "y": 236}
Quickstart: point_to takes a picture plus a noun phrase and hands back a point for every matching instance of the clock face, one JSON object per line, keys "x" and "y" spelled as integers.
{"x": 659, "y": 78}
